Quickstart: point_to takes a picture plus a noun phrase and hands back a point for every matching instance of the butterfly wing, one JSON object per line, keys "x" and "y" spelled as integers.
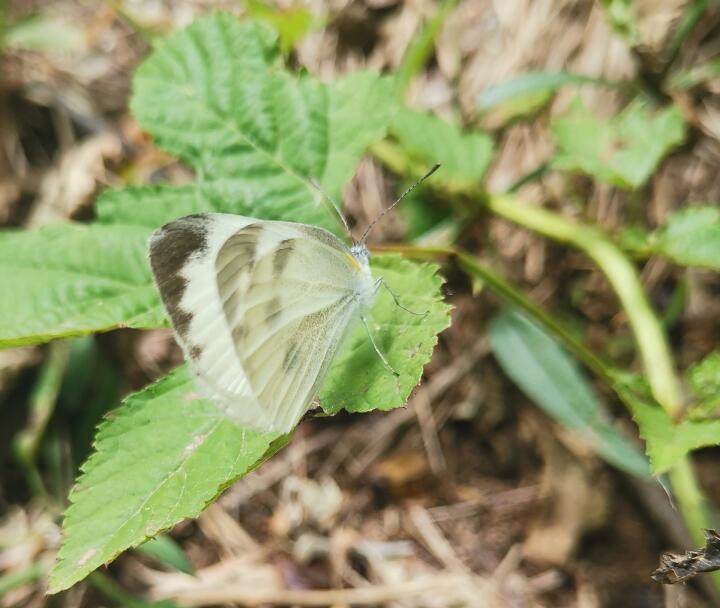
{"x": 263, "y": 310}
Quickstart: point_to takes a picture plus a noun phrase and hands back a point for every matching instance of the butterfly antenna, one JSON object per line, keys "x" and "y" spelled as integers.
{"x": 334, "y": 205}
{"x": 435, "y": 167}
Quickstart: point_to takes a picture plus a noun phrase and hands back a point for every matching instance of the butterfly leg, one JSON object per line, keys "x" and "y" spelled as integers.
{"x": 382, "y": 282}
{"x": 377, "y": 350}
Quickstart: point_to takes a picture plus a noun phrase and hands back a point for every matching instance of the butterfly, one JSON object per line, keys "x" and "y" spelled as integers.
{"x": 261, "y": 308}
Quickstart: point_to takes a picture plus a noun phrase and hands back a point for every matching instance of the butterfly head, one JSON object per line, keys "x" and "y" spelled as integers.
{"x": 361, "y": 255}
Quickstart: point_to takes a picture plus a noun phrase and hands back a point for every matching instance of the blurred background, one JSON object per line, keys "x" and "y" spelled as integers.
{"x": 473, "y": 486}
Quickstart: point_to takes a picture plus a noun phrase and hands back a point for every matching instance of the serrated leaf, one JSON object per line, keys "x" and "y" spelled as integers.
{"x": 71, "y": 279}
{"x": 359, "y": 382}
{"x": 623, "y": 150}
{"x": 160, "y": 458}
{"x": 690, "y": 237}
{"x": 166, "y": 453}
{"x": 548, "y": 376}
{"x": 463, "y": 155}
{"x": 257, "y": 135}
{"x": 152, "y": 206}
{"x": 666, "y": 442}
{"x": 214, "y": 95}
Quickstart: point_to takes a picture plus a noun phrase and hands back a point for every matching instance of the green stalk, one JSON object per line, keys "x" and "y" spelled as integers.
{"x": 42, "y": 405}
{"x": 651, "y": 340}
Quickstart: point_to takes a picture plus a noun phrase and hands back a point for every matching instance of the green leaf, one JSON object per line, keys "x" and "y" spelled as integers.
{"x": 166, "y": 453}
{"x": 256, "y": 136}
{"x": 359, "y": 382}
{"x": 71, "y": 279}
{"x": 152, "y": 206}
{"x": 621, "y": 16}
{"x": 686, "y": 79}
{"x": 463, "y": 156}
{"x": 530, "y": 84}
{"x": 166, "y": 551}
{"x": 553, "y": 380}
{"x": 623, "y": 150}
{"x": 703, "y": 379}
{"x": 690, "y": 237}
{"x": 212, "y": 95}
{"x": 422, "y": 45}
{"x": 45, "y": 33}
{"x": 292, "y": 24}
{"x": 160, "y": 458}
{"x": 666, "y": 442}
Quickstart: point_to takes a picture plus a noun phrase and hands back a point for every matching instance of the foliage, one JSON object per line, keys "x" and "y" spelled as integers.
{"x": 257, "y": 136}
{"x": 623, "y": 150}
{"x": 691, "y": 237}
{"x": 464, "y": 157}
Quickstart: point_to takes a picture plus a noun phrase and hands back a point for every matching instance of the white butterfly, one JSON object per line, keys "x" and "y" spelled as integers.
{"x": 260, "y": 309}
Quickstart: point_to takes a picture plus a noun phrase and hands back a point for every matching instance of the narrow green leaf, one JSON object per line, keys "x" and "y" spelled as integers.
{"x": 690, "y": 237}
{"x": 423, "y": 44}
{"x": 45, "y": 32}
{"x": 359, "y": 382}
{"x": 548, "y": 376}
{"x": 71, "y": 279}
{"x": 623, "y": 150}
{"x": 165, "y": 550}
{"x": 463, "y": 156}
{"x": 686, "y": 79}
{"x": 531, "y": 84}
{"x": 160, "y": 458}
{"x": 166, "y": 453}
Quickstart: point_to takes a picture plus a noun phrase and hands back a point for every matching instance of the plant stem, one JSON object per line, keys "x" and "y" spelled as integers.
{"x": 652, "y": 343}
{"x": 651, "y": 340}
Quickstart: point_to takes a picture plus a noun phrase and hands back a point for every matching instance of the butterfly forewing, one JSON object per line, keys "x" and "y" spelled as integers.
{"x": 287, "y": 311}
